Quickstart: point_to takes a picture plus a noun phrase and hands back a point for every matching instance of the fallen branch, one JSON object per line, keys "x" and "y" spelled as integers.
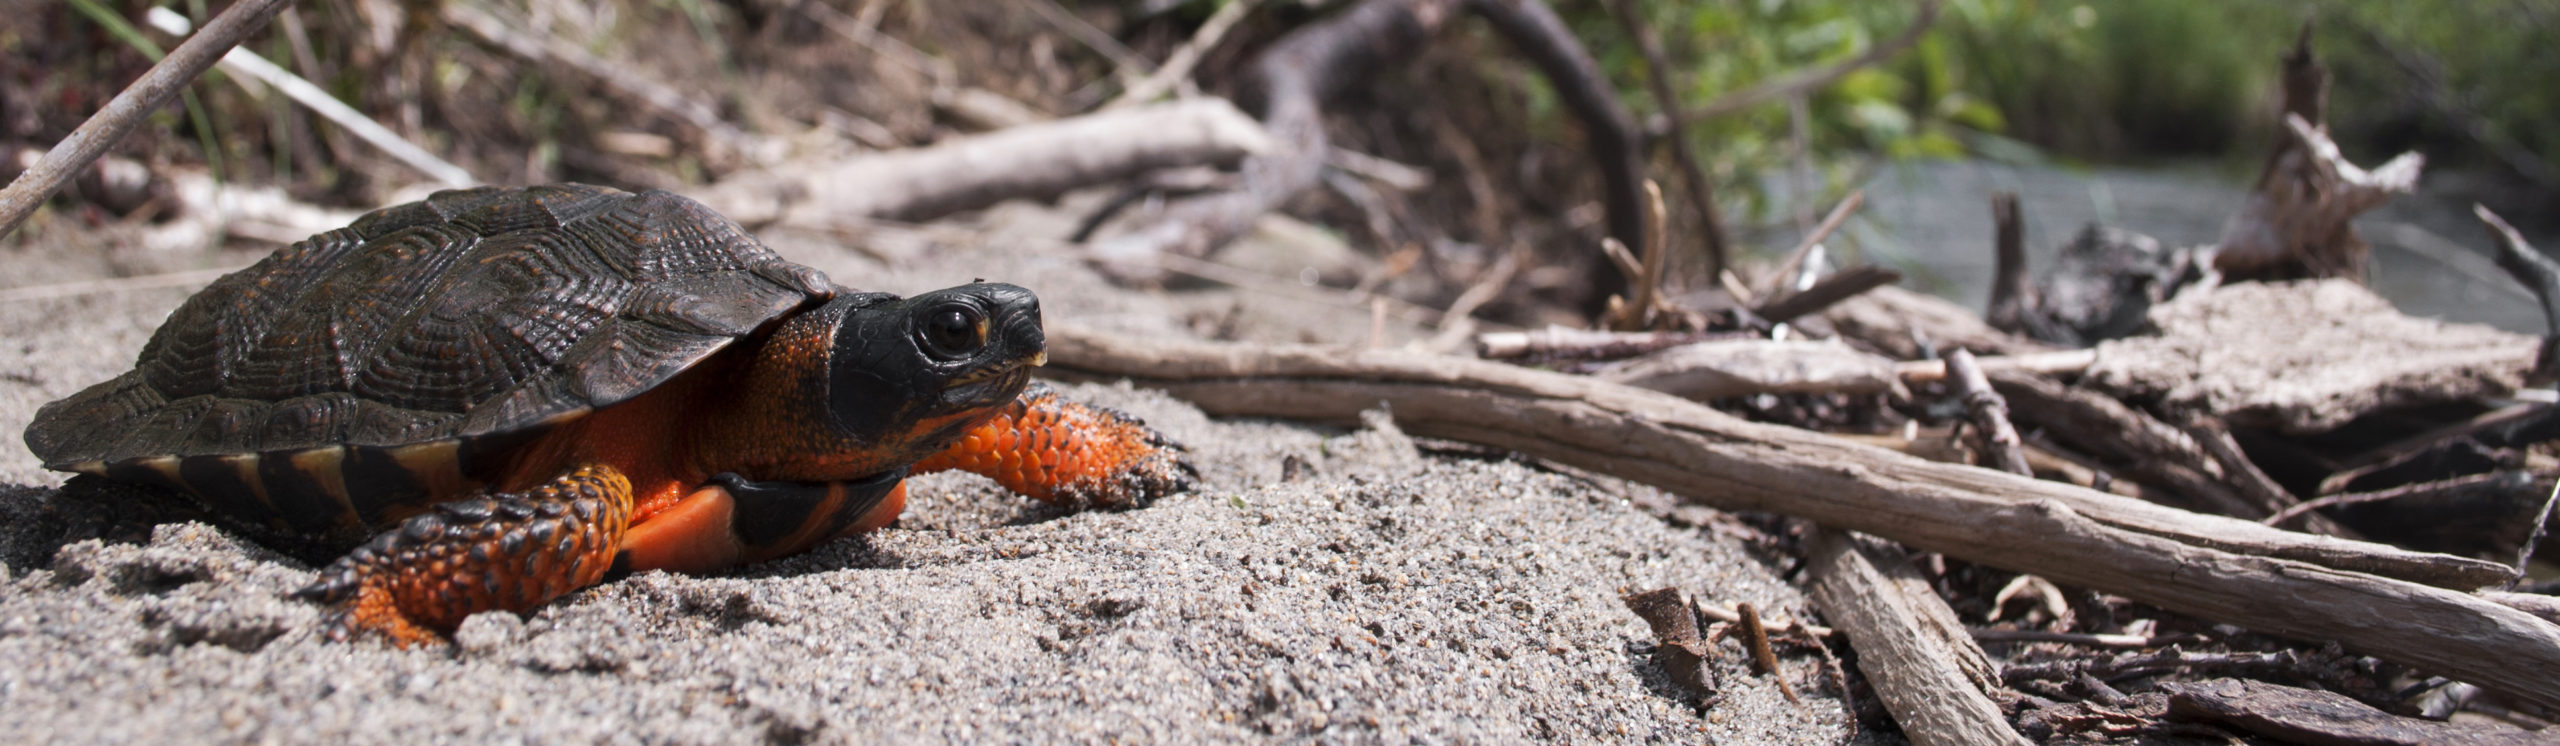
{"x": 2297, "y": 221}
{"x": 1031, "y": 161}
{"x": 2538, "y": 273}
{"x": 2215, "y": 568}
{"x": 1177, "y": 66}
{"x": 1296, "y": 75}
{"x": 1829, "y": 290}
{"x": 1990, "y": 414}
{"x": 2295, "y": 715}
{"x": 1707, "y": 371}
{"x": 1929, "y": 672}
{"x": 101, "y": 131}
{"x": 1564, "y": 343}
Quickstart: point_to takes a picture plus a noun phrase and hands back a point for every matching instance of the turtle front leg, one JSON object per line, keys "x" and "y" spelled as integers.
{"x": 512, "y": 551}
{"x": 1057, "y": 450}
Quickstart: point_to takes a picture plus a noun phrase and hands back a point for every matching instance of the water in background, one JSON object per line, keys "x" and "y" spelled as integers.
{"x": 1932, "y": 220}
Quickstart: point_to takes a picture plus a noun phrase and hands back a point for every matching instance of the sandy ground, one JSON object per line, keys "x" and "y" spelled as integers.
{"x": 1395, "y": 592}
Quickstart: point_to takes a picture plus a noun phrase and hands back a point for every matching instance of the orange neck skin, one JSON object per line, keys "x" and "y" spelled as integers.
{"x": 757, "y": 409}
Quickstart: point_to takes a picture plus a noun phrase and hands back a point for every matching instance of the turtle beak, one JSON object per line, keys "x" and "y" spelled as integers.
{"x": 1040, "y": 358}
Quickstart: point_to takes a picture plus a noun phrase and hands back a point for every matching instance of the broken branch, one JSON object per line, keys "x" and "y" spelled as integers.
{"x": 2216, "y": 568}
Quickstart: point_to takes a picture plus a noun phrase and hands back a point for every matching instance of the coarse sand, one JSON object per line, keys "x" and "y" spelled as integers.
{"x": 1387, "y": 591}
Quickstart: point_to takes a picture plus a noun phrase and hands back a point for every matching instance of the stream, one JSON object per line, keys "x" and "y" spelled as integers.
{"x": 1932, "y": 220}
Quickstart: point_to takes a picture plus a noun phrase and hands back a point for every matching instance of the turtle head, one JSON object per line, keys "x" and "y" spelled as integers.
{"x": 918, "y": 371}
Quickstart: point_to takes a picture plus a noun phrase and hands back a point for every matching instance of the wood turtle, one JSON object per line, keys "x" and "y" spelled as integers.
{"x": 515, "y": 393}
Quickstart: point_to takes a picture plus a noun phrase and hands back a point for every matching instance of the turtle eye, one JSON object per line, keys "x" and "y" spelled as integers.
{"x": 952, "y": 332}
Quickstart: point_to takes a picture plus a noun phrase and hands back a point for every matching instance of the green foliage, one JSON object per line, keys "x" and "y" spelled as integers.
{"x": 2113, "y": 80}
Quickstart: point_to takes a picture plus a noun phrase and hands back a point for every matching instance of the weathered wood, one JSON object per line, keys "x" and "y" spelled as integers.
{"x": 2217, "y": 568}
{"x": 2297, "y": 222}
{"x": 1829, "y": 290}
{"x": 2539, "y": 273}
{"x": 1899, "y": 321}
{"x": 1989, "y": 413}
{"x": 2303, "y": 357}
{"x": 1706, "y": 371}
{"x": 1031, "y": 161}
{"x": 1680, "y": 651}
{"x": 130, "y": 106}
{"x": 2013, "y": 293}
{"x": 1923, "y": 664}
{"x": 2322, "y": 718}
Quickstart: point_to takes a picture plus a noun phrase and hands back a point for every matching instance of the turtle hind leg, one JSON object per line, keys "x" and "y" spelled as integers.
{"x": 511, "y": 551}
{"x": 1062, "y": 451}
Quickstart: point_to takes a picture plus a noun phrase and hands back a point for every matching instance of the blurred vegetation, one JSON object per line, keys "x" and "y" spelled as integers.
{"x": 2099, "y": 80}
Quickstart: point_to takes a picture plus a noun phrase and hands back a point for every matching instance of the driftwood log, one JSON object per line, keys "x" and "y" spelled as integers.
{"x": 2297, "y": 222}
{"x": 2303, "y": 357}
{"x": 1030, "y": 161}
{"x": 2221, "y": 569}
{"x": 1928, "y": 670}
{"x": 1292, "y": 80}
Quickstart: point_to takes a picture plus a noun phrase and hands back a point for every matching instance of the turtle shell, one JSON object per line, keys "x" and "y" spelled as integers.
{"x": 419, "y": 329}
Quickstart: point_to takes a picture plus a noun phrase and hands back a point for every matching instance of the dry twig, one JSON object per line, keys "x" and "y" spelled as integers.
{"x": 130, "y": 107}
{"x": 2216, "y": 568}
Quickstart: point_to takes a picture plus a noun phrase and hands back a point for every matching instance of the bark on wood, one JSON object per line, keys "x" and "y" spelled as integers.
{"x": 2542, "y": 275}
{"x": 1830, "y": 290}
{"x": 2216, "y": 568}
{"x": 1565, "y": 343}
{"x": 1707, "y": 371}
{"x": 1031, "y": 161}
{"x": 147, "y": 94}
{"x": 2012, "y": 291}
{"x": 2142, "y": 447}
{"x": 1989, "y": 414}
{"x": 1924, "y": 665}
{"x": 1681, "y": 652}
{"x": 2303, "y": 357}
{"x": 2323, "y": 718}
{"x": 1911, "y": 325}
{"x": 1294, "y": 78}
{"x": 2295, "y": 224}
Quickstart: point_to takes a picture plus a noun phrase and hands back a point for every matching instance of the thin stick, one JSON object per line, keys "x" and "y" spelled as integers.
{"x": 1177, "y": 66}
{"x": 1648, "y": 284}
{"x": 1657, "y": 77}
{"x": 1986, "y": 634}
{"x": 1757, "y": 639}
{"x": 1990, "y": 414}
{"x": 1128, "y": 65}
{"x": 2406, "y": 490}
{"x": 129, "y": 107}
{"x": 1459, "y": 322}
{"x": 1832, "y": 288}
{"x": 1777, "y": 282}
{"x": 2039, "y": 363}
{"x": 2231, "y": 571}
{"x": 247, "y": 64}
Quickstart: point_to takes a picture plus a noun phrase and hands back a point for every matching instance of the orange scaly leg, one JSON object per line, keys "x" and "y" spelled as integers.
{"x": 512, "y": 551}
{"x": 1062, "y": 451}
